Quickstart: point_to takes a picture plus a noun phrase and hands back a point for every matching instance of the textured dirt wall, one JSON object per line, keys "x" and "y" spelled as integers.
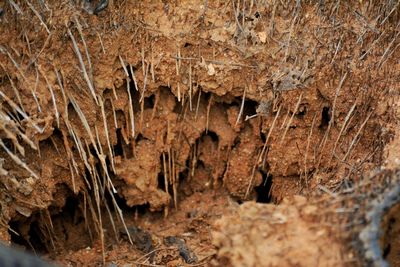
{"x": 150, "y": 102}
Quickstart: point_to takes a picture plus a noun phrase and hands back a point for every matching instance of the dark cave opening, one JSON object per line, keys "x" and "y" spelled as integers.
{"x": 264, "y": 190}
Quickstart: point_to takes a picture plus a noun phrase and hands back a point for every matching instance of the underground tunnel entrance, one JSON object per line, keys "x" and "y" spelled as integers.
{"x": 57, "y": 229}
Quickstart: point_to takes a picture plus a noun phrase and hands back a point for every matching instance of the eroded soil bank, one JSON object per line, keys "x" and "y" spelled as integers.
{"x": 145, "y": 132}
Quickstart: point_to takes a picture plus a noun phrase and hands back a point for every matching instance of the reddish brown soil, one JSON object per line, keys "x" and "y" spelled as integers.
{"x": 167, "y": 116}
{"x": 289, "y": 236}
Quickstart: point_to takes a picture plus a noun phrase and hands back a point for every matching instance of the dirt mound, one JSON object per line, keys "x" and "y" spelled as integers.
{"x": 111, "y": 111}
{"x": 268, "y": 235}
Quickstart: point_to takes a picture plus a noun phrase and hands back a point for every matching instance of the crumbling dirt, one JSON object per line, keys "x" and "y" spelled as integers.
{"x": 123, "y": 126}
{"x": 290, "y": 235}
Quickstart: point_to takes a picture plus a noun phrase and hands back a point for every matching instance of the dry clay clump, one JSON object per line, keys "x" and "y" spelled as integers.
{"x": 287, "y": 236}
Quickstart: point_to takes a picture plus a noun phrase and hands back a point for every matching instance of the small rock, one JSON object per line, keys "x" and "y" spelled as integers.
{"x": 262, "y": 36}
{"x": 211, "y": 69}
